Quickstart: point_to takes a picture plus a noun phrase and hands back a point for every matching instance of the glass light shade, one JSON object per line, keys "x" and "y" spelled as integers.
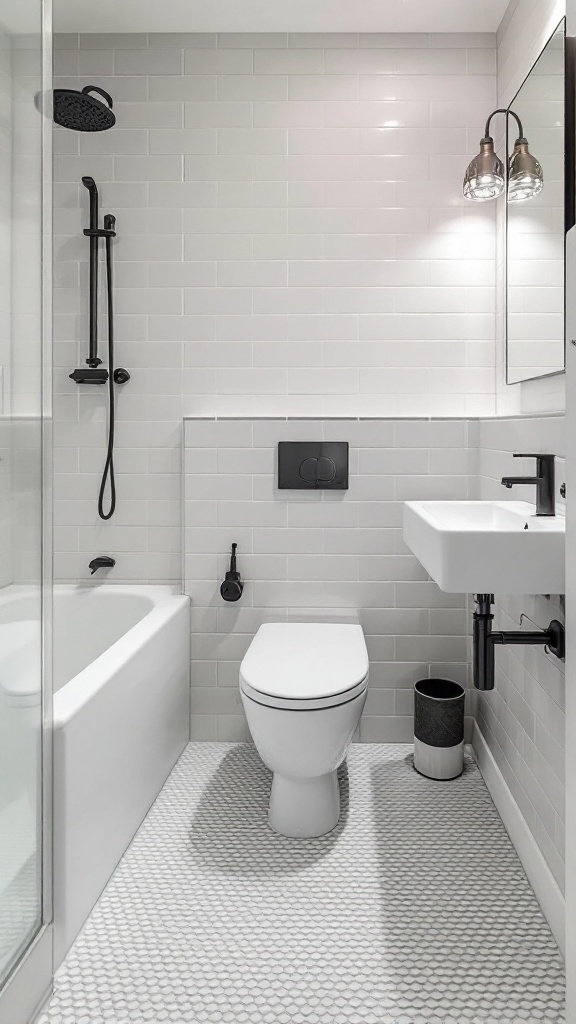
{"x": 485, "y": 176}
{"x": 525, "y": 175}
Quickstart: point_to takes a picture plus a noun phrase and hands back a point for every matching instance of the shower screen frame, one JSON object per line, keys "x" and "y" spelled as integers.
{"x": 30, "y": 980}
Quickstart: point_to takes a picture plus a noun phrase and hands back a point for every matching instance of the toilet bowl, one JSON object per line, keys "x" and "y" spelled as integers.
{"x": 303, "y": 687}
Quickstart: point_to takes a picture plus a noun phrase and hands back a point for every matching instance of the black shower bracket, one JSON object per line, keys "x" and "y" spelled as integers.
{"x": 94, "y": 232}
{"x": 101, "y": 232}
{"x": 90, "y": 375}
{"x": 485, "y": 640}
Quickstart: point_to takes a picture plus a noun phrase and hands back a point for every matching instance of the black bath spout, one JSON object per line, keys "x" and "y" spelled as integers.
{"x": 102, "y": 562}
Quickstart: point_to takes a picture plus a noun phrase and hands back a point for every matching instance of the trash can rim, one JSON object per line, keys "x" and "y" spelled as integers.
{"x": 429, "y": 696}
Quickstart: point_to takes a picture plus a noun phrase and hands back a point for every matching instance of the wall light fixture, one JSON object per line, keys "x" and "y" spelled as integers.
{"x": 486, "y": 177}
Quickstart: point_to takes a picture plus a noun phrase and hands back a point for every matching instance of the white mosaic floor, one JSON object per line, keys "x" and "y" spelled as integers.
{"x": 415, "y": 910}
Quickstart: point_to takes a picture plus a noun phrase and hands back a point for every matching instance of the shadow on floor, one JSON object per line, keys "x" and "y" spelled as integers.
{"x": 230, "y": 833}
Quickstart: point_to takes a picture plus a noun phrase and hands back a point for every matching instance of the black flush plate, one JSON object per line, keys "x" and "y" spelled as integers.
{"x": 313, "y": 465}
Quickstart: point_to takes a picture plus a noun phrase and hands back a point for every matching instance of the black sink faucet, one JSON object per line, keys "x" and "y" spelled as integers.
{"x": 544, "y": 481}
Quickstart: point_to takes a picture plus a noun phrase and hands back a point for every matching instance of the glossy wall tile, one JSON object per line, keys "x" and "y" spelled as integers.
{"x": 292, "y": 239}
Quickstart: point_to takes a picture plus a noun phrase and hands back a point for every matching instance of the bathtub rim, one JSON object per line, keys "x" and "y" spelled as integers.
{"x": 167, "y": 602}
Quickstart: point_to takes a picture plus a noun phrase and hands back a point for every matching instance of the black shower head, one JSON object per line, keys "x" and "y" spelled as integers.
{"x": 90, "y": 184}
{"x": 82, "y": 112}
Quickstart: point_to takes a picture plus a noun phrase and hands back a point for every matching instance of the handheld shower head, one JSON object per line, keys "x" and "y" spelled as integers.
{"x": 90, "y": 184}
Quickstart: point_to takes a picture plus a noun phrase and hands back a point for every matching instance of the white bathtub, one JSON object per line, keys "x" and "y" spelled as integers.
{"x": 121, "y": 720}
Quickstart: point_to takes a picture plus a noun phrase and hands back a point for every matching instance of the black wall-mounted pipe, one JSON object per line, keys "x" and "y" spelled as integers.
{"x": 93, "y": 235}
{"x": 484, "y": 640}
{"x": 94, "y": 373}
{"x": 482, "y": 650}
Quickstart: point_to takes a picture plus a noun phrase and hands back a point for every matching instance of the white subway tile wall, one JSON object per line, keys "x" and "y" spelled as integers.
{"x": 292, "y": 239}
{"x": 523, "y": 34}
{"x": 336, "y": 555}
{"x": 522, "y": 720}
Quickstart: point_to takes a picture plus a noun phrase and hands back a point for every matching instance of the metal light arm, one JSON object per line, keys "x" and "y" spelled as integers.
{"x": 503, "y": 110}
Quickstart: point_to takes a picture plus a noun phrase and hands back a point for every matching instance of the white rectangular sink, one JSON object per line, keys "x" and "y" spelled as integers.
{"x": 487, "y": 547}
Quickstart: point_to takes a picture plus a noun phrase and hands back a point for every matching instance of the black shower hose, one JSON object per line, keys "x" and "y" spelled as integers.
{"x": 108, "y": 473}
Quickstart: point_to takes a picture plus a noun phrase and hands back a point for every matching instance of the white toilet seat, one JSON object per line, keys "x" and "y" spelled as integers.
{"x": 314, "y": 704}
{"x": 302, "y": 666}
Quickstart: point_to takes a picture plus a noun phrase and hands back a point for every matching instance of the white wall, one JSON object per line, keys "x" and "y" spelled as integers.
{"x": 523, "y": 719}
{"x": 321, "y": 554}
{"x": 292, "y": 240}
{"x": 536, "y": 230}
{"x": 525, "y": 30}
{"x": 523, "y": 33}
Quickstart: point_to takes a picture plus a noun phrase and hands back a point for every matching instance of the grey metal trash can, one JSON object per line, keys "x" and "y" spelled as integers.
{"x": 439, "y": 728}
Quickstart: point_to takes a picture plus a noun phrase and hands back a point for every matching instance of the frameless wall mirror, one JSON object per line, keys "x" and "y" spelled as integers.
{"x": 536, "y": 226}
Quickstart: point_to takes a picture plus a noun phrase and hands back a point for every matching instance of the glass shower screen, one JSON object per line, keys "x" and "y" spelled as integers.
{"x": 21, "y": 694}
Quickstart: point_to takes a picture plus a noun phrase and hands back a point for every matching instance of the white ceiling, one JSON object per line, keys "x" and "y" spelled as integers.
{"x": 278, "y": 15}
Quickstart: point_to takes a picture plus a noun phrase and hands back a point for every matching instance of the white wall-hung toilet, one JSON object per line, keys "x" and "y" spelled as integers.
{"x": 303, "y": 687}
